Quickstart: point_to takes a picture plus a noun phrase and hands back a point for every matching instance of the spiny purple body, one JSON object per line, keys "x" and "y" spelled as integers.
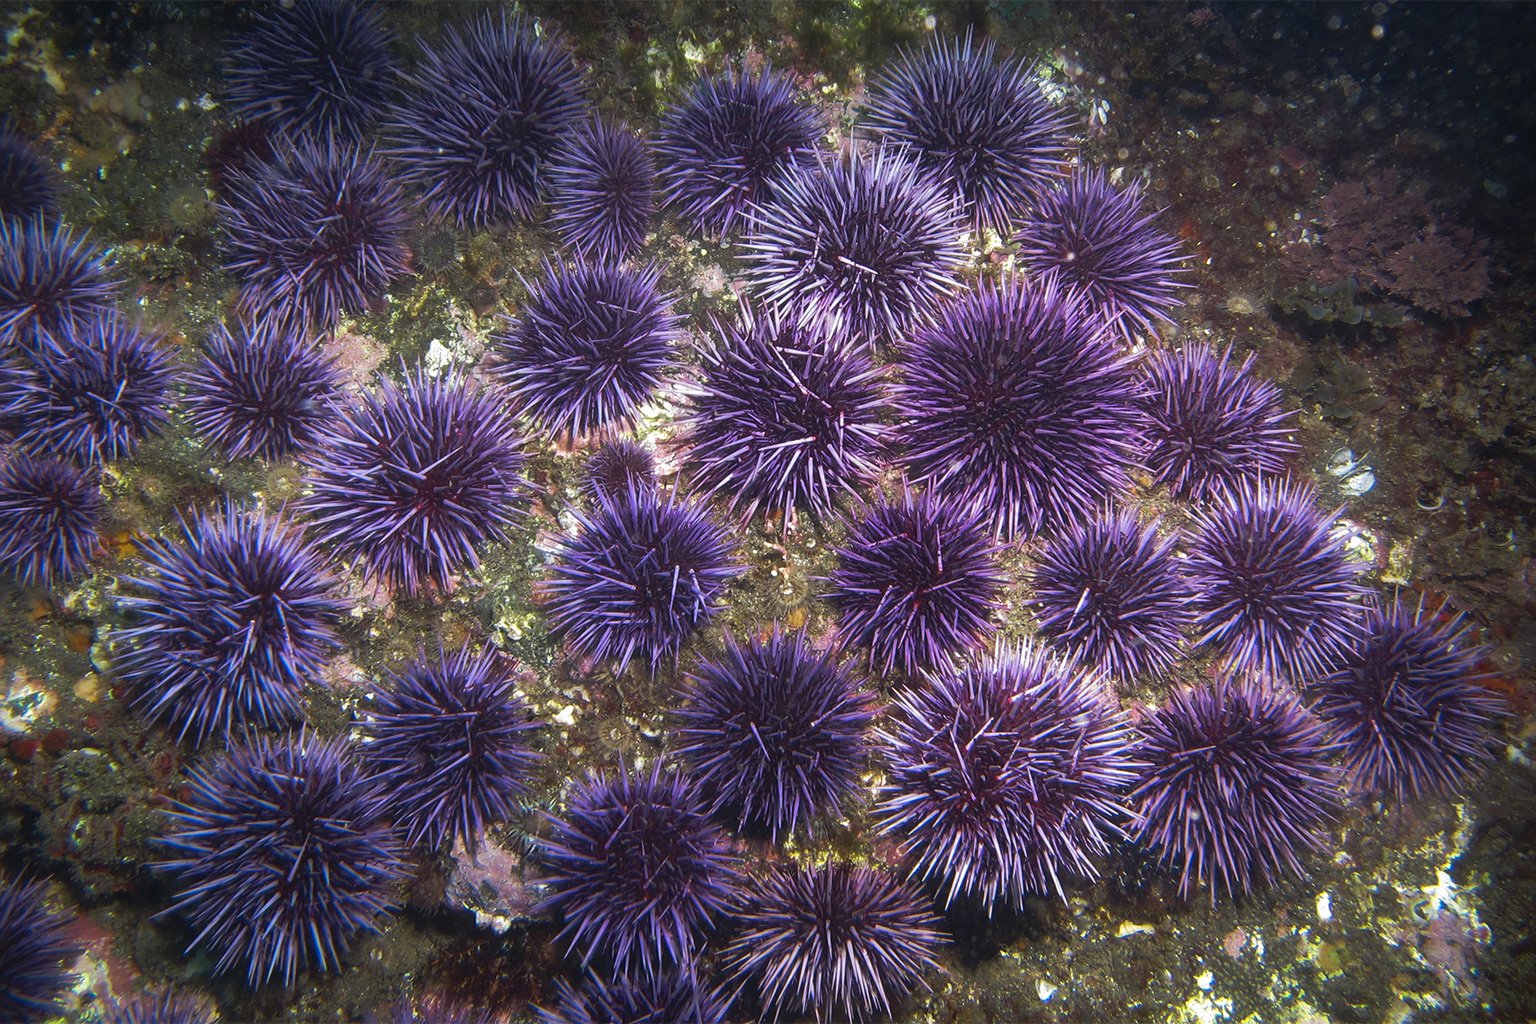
{"x": 167, "y": 1006}
{"x": 1018, "y": 404}
{"x": 232, "y": 620}
{"x": 411, "y": 478}
{"x": 35, "y": 956}
{"x": 1274, "y": 591}
{"x": 637, "y": 870}
{"x": 1007, "y": 777}
{"x": 487, "y": 109}
{"x": 1236, "y": 787}
{"x": 51, "y": 280}
{"x": 50, "y": 519}
{"x": 591, "y": 345}
{"x": 618, "y": 466}
{"x": 450, "y": 747}
{"x": 1408, "y": 704}
{"x": 280, "y": 853}
{"x": 785, "y": 418}
{"x": 667, "y": 996}
{"x": 836, "y": 942}
{"x": 775, "y": 732}
{"x": 29, "y": 185}
{"x": 726, "y": 143}
{"x": 916, "y": 581}
{"x": 982, "y": 125}
{"x": 1098, "y": 239}
{"x": 602, "y": 191}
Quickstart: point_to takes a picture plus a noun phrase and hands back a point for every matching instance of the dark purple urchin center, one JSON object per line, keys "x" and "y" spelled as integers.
{"x": 35, "y": 955}
{"x": 602, "y": 191}
{"x": 51, "y": 280}
{"x": 29, "y": 184}
{"x": 50, "y": 519}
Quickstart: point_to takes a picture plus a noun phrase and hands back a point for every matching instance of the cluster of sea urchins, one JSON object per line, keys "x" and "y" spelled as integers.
{"x": 930, "y": 424}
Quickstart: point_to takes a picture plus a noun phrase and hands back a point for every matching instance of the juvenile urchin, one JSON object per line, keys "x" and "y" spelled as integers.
{"x": 50, "y": 519}
{"x": 29, "y": 185}
{"x": 602, "y": 191}
{"x": 36, "y": 953}
{"x": 616, "y": 467}
{"x": 667, "y": 996}
{"x": 51, "y": 279}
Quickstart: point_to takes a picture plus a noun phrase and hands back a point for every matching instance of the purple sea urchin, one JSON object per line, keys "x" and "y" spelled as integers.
{"x": 984, "y": 126}
{"x": 232, "y": 620}
{"x": 50, "y": 519}
{"x": 836, "y": 941}
{"x": 785, "y": 418}
{"x": 412, "y": 478}
{"x": 1007, "y": 777}
{"x": 1274, "y": 590}
{"x": 1098, "y": 239}
{"x": 35, "y": 956}
{"x": 487, "y": 109}
{"x": 167, "y": 1006}
{"x": 1018, "y": 403}
{"x": 637, "y": 869}
{"x": 281, "y": 853}
{"x": 1408, "y": 704}
{"x": 775, "y": 732}
{"x": 261, "y": 392}
{"x": 450, "y": 748}
{"x": 862, "y": 246}
{"x": 638, "y": 577}
{"x": 50, "y": 281}
{"x": 602, "y": 191}
{"x": 29, "y": 185}
{"x": 916, "y": 581}
{"x": 591, "y": 346}
{"x": 667, "y": 996}
{"x": 1236, "y": 785}
{"x": 727, "y": 141}
{"x": 618, "y": 466}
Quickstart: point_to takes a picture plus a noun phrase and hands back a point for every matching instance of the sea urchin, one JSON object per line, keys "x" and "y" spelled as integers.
{"x": 35, "y": 956}
{"x": 50, "y": 519}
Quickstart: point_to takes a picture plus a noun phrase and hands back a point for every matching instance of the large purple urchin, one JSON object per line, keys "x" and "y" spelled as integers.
{"x": 314, "y": 233}
{"x": 602, "y": 191}
{"x": 865, "y": 247}
{"x": 616, "y": 467}
{"x": 785, "y": 418}
{"x": 775, "y": 732}
{"x": 50, "y": 519}
{"x": 637, "y": 870}
{"x": 51, "y": 280}
{"x": 1273, "y": 588}
{"x": 450, "y": 746}
{"x": 412, "y": 478}
{"x": 591, "y": 346}
{"x": 916, "y": 581}
{"x": 1236, "y": 785}
{"x": 726, "y": 143}
{"x": 315, "y": 69}
{"x": 1098, "y": 239}
{"x": 35, "y": 956}
{"x": 1408, "y": 704}
{"x": 232, "y": 620}
{"x": 264, "y": 391}
{"x": 282, "y": 853}
{"x": 487, "y": 109}
{"x": 1110, "y": 593}
{"x": 638, "y": 577}
{"x": 984, "y": 126}
{"x": 29, "y": 185}
{"x": 1209, "y": 424}
{"x": 1018, "y": 403}
{"x": 667, "y": 996}
{"x": 836, "y": 941}
{"x": 1007, "y": 777}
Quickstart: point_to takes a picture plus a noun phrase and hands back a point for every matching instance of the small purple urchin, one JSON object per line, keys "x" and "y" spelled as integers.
{"x": 35, "y": 956}
{"x": 313, "y": 68}
{"x": 412, "y": 478}
{"x": 616, "y": 467}
{"x": 637, "y": 870}
{"x": 785, "y": 418}
{"x": 590, "y": 347}
{"x": 639, "y": 576}
{"x": 1209, "y": 424}
{"x": 1236, "y": 785}
{"x": 916, "y": 581}
{"x": 667, "y": 996}
{"x": 88, "y": 395}
{"x": 167, "y": 1006}
{"x": 602, "y": 191}
{"x": 282, "y": 852}
{"x": 775, "y": 732}
{"x": 1274, "y": 590}
{"x": 1019, "y": 404}
{"x": 1098, "y": 239}
{"x": 50, "y": 519}
{"x": 314, "y": 233}
{"x": 264, "y": 391}
{"x": 864, "y": 247}
{"x": 29, "y": 185}
{"x": 231, "y": 622}
{"x": 1409, "y": 706}
{"x": 726, "y": 143}
{"x": 450, "y": 748}
{"x": 1007, "y": 776}
{"x": 836, "y": 941}
{"x": 488, "y": 108}
{"x": 1110, "y": 593}
{"x": 984, "y": 126}
{"x": 51, "y": 280}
